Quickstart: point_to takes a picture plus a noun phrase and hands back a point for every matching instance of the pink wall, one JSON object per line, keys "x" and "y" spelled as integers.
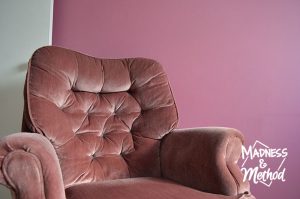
{"x": 230, "y": 63}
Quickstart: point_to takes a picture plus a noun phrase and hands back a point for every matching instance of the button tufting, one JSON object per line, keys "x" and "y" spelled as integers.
{"x": 98, "y": 110}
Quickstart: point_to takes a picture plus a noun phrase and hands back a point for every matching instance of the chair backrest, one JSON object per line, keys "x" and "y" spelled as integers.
{"x": 104, "y": 117}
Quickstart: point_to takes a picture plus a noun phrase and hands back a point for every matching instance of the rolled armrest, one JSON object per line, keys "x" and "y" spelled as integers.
{"x": 205, "y": 159}
{"x": 30, "y": 167}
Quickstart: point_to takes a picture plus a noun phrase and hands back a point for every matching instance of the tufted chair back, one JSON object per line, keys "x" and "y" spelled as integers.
{"x": 104, "y": 117}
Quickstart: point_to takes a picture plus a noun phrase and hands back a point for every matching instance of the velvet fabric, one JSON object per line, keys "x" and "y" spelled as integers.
{"x": 30, "y": 167}
{"x": 138, "y": 188}
{"x": 205, "y": 159}
{"x": 100, "y": 126}
{"x": 95, "y": 111}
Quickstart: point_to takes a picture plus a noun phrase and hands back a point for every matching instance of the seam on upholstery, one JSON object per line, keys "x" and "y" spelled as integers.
{"x": 173, "y": 125}
{"x": 130, "y": 92}
{"x": 34, "y": 123}
{"x": 49, "y": 69}
{"x": 152, "y": 78}
{"x": 127, "y": 167}
{"x": 132, "y": 82}
{"x": 123, "y": 123}
{"x": 76, "y": 73}
{"x": 108, "y": 155}
{"x": 43, "y": 98}
{"x": 85, "y": 117}
{"x": 106, "y": 137}
{"x": 162, "y": 140}
{"x": 105, "y": 98}
{"x": 57, "y": 147}
{"x": 153, "y": 108}
{"x": 82, "y": 140}
{"x": 139, "y": 113}
{"x": 150, "y": 87}
{"x": 122, "y": 102}
{"x": 63, "y": 105}
{"x": 88, "y": 132}
{"x": 159, "y": 157}
{"x": 129, "y": 63}
{"x": 139, "y": 135}
{"x": 159, "y": 107}
{"x": 138, "y": 104}
{"x": 104, "y": 127}
{"x": 116, "y": 132}
{"x": 165, "y": 133}
{"x": 228, "y": 167}
{"x": 129, "y": 113}
{"x": 177, "y": 115}
{"x": 103, "y": 76}
{"x": 101, "y": 147}
{"x": 93, "y": 104}
{"x": 75, "y": 181}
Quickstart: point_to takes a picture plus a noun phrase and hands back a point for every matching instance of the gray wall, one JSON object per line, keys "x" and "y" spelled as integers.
{"x": 25, "y": 25}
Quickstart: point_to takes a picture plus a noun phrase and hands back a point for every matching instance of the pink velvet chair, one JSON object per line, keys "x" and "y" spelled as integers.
{"x": 105, "y": 129}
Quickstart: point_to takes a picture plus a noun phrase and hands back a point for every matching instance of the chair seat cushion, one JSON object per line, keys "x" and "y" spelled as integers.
{"x": 137, "y": 188}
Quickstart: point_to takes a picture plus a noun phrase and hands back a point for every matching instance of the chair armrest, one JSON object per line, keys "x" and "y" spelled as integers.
{"x": 205, "y": 159}
{"x": 30, "y": 167}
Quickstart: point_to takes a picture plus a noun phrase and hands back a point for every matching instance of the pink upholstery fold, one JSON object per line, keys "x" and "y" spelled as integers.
{"x": 30, "y": 167}
{"x": 138, "y": 188}
{"x": 205, "y": 159}
{"x": 141, "y": 188}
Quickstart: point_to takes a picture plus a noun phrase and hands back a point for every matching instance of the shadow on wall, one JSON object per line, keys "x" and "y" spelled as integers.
{"x": 11, "y": 107}
{"x": 5, "y": 192}
{"x": 22, "y": 68}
